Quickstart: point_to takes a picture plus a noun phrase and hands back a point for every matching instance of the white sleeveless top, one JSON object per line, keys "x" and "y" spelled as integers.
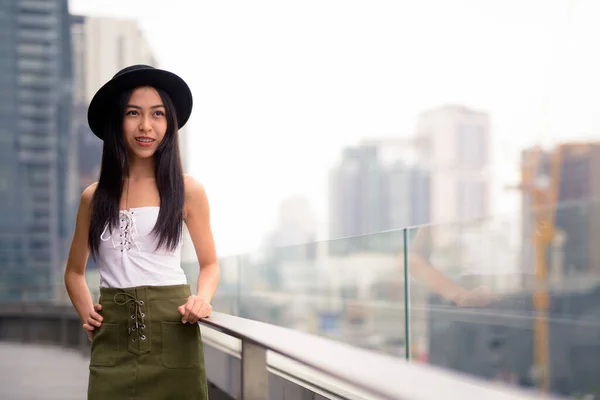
{"x": 127, "y": 257}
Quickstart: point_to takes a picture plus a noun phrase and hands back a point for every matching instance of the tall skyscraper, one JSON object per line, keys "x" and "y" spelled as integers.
{"x": 371, "y": 192}
{"x": 106, "y": 46}
{"x": 296, "y": 224}
{"x": 358, "y": 194}
{"x": 455, "y": 145}
{"x": 35, "y": 83}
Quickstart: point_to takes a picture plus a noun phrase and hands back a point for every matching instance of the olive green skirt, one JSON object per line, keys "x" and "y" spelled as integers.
{"x": 143, "y": 350}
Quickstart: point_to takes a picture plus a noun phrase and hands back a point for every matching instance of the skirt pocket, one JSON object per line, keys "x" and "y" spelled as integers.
{"x": 105, "y": 346}
{"x": 179, "y": 344}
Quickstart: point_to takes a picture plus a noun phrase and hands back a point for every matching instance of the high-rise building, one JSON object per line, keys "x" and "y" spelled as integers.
{"x": 358, "y": 194}
{"x": 373, "y": 192}
{"x": 35, "y": 104}
{"x": 296, "y": 224}
{"x": 290, "y": 244}
{"x": 409, "y": 195}
{"x": 106, "y": 45}
{"x": 455, "y": 145}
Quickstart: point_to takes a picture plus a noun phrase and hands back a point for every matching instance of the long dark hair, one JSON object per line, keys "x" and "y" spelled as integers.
{"x": 168, "y": 172}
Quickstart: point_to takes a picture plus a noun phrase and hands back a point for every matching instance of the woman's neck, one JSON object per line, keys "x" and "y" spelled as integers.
{"x": 140, "y": 168}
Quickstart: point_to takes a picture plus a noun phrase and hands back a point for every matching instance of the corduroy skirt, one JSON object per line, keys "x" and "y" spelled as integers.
{"x": 143, "y": 350}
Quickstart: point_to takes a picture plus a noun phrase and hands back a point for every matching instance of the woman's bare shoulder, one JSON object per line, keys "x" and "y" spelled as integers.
{"x": 195, "y": 196}
{"x": 88, "y": 193}
{"x": 193, "y": 188}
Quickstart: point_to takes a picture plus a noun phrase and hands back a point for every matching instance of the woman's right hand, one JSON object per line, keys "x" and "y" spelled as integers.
{"x": 93, "y": 321}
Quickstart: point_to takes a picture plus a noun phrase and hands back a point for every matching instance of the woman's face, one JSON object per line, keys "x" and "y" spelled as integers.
{"x": 144, "y": 123}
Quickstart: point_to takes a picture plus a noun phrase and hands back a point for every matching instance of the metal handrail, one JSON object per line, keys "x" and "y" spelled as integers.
{"x": 378, "y": 375}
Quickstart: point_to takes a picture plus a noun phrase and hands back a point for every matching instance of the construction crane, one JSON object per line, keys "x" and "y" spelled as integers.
{"x": 542, "y": 193}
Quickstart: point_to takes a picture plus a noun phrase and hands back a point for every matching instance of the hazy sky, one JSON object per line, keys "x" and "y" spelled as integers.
{"x": 281, "y": 86}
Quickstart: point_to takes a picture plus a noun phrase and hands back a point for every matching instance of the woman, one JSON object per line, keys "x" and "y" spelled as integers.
{"x": 145, "y": 338}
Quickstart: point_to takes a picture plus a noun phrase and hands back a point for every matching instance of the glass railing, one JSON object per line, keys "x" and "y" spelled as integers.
{"x": 481, "y": 297}
{"x": 523, "y": 311}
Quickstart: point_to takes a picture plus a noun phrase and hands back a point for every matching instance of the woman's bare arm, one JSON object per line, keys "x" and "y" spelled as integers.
{"x": 198, "y": 223}
{"x": 75, "y": 282}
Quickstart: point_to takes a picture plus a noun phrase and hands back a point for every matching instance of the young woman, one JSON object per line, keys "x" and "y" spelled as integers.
{"x": 145, "y": 338}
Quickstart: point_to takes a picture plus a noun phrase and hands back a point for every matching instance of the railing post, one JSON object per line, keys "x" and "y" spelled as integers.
{"x": 255, "y": 377}
{"x": 406, "y": 297}
{"x": 238, "y": 294}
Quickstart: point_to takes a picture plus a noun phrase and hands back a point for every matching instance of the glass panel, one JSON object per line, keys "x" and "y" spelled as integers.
{"x": 496, "y": 299}
{"x": 349, "y": 289}
{"x": 227, "y": 295}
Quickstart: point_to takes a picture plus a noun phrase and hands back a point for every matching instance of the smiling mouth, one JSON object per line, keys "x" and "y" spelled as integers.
{"x": 144, "y": 140}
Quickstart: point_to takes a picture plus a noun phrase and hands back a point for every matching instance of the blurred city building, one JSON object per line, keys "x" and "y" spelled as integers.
{"x": 290, "y": 248}
{"x": 36, "y": 84}
{"x": 296, "y": 224}
{"x": 454, "y": 145}
{"x": 454, "y": 142}
{"x": 437, "y": 175}
{"x": 376, "y": 188}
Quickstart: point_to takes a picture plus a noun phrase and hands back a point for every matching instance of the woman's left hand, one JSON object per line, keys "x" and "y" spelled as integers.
{"x": 195, "y": 308}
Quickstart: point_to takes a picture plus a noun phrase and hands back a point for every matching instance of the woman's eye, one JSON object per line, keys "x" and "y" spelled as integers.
{"x": 131, "y": 112}
{"x": 159, "y": 113}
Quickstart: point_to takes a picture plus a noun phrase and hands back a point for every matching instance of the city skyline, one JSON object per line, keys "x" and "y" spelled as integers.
{"x": 528, "y": 67}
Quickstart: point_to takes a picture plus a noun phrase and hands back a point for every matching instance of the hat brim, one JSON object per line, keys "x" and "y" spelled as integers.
{"x": 173, "y": 85}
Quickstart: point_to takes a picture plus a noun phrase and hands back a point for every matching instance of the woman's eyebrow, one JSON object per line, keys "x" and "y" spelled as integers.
{"x": 139, "y": 108}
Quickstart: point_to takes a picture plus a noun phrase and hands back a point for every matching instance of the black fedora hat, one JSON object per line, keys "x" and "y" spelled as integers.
{"x": 135, "y": 76}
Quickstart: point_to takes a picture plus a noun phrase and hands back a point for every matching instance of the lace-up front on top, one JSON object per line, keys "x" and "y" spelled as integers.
{"x": 128, "y": 257}
{"x": 128, "y": 231}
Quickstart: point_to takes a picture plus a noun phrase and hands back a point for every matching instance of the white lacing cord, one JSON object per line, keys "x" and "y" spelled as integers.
{"x": 129, "y": 232}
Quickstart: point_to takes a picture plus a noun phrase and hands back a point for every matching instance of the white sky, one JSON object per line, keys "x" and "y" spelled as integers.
{"x": 281, "y": 86}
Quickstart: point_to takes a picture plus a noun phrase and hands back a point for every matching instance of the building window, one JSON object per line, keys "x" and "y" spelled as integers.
{"x": 33, "y": 64}
{"x": 472, "y": 146}
{"x": 471, "y": 200}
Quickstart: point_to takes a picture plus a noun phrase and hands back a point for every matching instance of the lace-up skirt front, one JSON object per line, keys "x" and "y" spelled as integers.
{"x": 143, "y": 350}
